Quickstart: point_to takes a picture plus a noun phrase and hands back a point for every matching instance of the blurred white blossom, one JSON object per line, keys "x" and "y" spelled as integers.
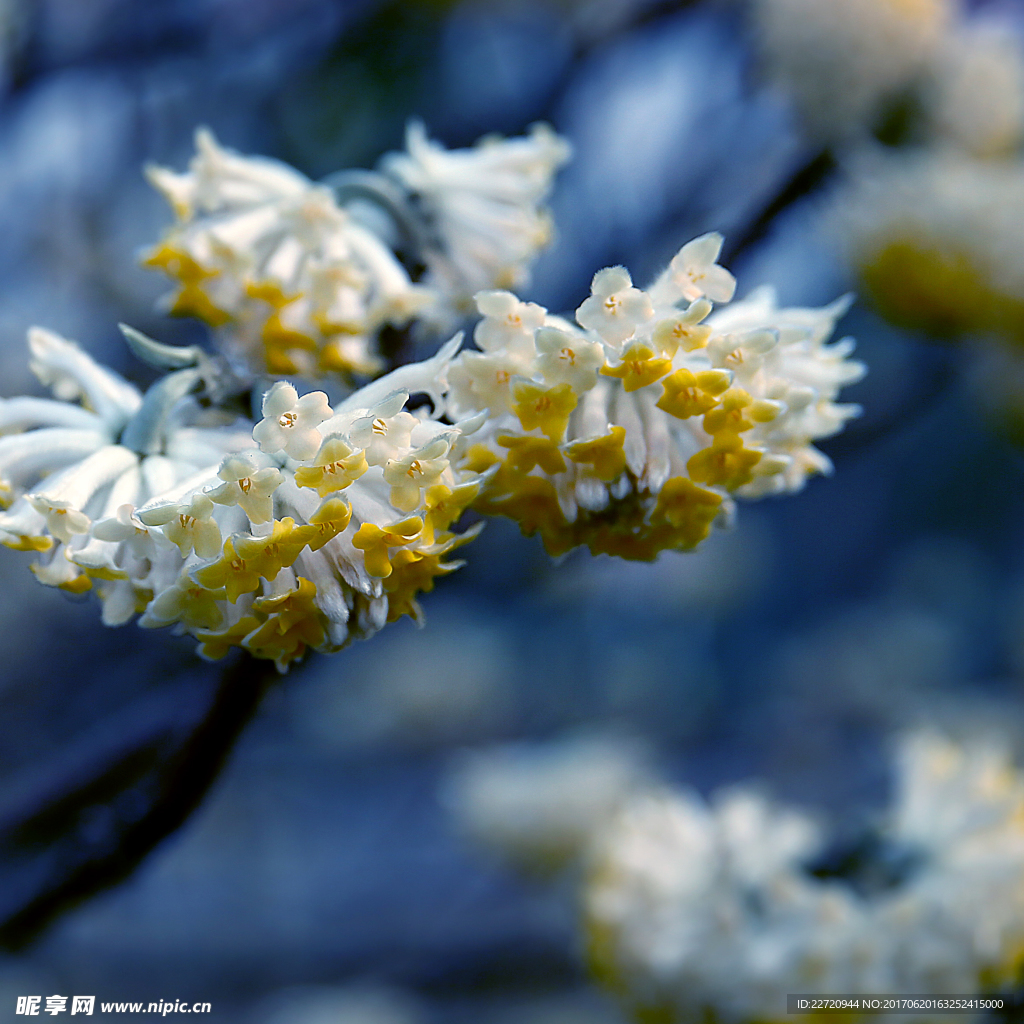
{"x": 697, "y": 909}
{"x": 934, "y": 237}
{"x": 974, "y": 93}
{"x": 539, "y": 805}
{"x": 841, "y": 60}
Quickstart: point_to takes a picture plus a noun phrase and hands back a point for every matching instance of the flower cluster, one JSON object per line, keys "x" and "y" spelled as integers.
{"x": 856, "y": 65}
{"x": 482, "y": 206}
{"x": 539, "y": 805}
{"x": 927, "y": 221}
{"x": 258, "y": 246}
{"x": 934, "y": 238}
{"x": 974, "y": 96}
{"x": 310, "y": 528}
{"x": 696, "y": 909}
{"x": 842, "y": 60}
{"x": 300, "y": 280}
{"x": 630, "y": 432}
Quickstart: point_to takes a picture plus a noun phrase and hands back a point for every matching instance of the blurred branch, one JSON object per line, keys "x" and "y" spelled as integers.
{"x": 805, "y": 179}
{"x": 94, "y": 816}
{"x": 935, "y": 385}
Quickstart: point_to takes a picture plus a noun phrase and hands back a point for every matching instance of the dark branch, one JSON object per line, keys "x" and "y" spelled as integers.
{"x": 804, "y": 180}
{"x": 941, "y": 377}
{"x": 100, "y": 812}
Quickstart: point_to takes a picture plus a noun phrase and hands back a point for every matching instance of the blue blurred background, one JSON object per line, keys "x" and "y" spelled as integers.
{"x": 323, "y": 873}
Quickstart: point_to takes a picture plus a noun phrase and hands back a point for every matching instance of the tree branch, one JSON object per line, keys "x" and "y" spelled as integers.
{"x": 97, "y": 814}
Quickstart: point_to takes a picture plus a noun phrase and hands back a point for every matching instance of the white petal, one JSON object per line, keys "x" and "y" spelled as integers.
{"x": 23, "y": 456}
{"x": 428, "y": 377}
{"x": 61, "y": 364}
{"x": 718, "y": 284}
{"x": 625, "y": 414}
{"x": 495, "y": 303}
{"x": 701, "y": 252}
{"x": 610, "y": 280}
{"x": 23, "y": 413}
{"x": 281, "y": 398}
{"x": 90, "y": 475}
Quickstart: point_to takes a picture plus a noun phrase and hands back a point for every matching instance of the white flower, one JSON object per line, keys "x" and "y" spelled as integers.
{"x": 302, "y": 546}
{"x": 540, "y": 805}
{"x": 483, "y": 206}
{"x": 124, "y": 525}
{"x": 290, "y": 423}
{"x": 63, "y": 520}
{"x": 72, "y": 489}
{"x": 507, "y": 323}
{"x": 73, "y": 376}
{"x": 714, "y": 910}
{"x": 484, "y": 380}
{"x": 189, "y": 525}
{"x": 184, "y": 603}
{"x": 70, "y": 453}
{"x": 632, "y": 436}
{"x": 684, "y": 329}
{"x": 960, "y": 810}
{"x": 957, "y": 803}
{"x": 975, "y": 93}
{"x": 842, "y": 60}
{"x": 248, "y": 485}
{"x": 410, "y": 473}
{"x": 615, "y": 308}
{"x": 565, "y": 358}
{"x": 694, "y": 274}
{"x": 259, "y": 249}
{"x": 704, "y": 910}
{"x": 779, "y": 358}
{"x": 934, "y": 238}
{"x": 384, "y": 431}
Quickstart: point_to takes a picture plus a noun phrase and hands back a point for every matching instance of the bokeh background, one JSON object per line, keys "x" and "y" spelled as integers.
{"x": 324, "y": 877}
